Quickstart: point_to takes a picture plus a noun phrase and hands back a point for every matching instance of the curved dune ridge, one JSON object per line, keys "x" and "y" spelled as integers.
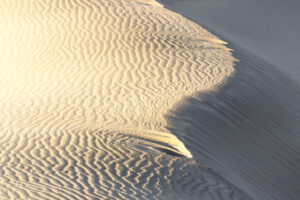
{"x": 114, "y": 65}
{"x": 247, "y": 130}
{"x": 83, "y": 88}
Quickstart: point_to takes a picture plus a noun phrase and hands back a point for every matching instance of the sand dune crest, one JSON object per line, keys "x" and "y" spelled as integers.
{"x": 84, "y": 86}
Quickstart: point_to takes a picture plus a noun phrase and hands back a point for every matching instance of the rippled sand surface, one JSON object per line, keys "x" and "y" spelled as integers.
{"x": 84, "y": 86}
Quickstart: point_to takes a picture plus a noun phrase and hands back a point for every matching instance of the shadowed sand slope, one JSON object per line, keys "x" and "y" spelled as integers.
{"x": 83, "y": 89}
{"x": 268, "y": 28}
{"x": 248, "y": 130}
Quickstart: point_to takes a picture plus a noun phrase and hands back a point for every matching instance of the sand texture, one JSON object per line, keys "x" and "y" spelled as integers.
{"x": 126, "y": 99}
{"x": 267, "y": 28}
{"x": 84, "y": 86}
{"x": 248, "y": 129}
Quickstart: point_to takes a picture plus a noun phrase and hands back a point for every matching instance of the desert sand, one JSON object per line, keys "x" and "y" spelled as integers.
{"x": 84, "y": 89}
{"x": 267, "y": 28}
{"x": 127, "y": 99}
{"x": 248, "y": 130}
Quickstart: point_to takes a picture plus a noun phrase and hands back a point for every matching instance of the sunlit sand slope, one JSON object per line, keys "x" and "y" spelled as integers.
{"x": 83, "y": 88}
{"x": 105, "y": 64}
{"x": 98, "y": 165}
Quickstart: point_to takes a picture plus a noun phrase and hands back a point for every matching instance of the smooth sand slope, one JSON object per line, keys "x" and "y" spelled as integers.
{"x": 248, "y": 130}
{"x": 267, "y": 28}
{"x": 84, "y": 86}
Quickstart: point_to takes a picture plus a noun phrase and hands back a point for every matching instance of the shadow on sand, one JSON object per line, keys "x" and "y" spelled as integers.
{"x": 248, "y": 130}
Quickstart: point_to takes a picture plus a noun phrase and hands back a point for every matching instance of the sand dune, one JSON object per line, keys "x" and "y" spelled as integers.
{"x": 116, "y": 64}
{"x": 267, "y": 28}
{"x": 84, "y": 86}
{"x": 248, "y": 129}
{"x": 111, "y": 99}
{"x": 99, "y": 165}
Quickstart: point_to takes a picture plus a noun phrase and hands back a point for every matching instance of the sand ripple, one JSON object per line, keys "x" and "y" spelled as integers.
{"x": 83, "y": 88}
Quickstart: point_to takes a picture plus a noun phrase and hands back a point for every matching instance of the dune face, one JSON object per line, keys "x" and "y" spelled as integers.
{"x": 248, "y": 130}
{"x": 114, "y": 65}
{"x": 111, "y": 99}
{"x": 267, "y": 28}
{"x": 83, "y": 88}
